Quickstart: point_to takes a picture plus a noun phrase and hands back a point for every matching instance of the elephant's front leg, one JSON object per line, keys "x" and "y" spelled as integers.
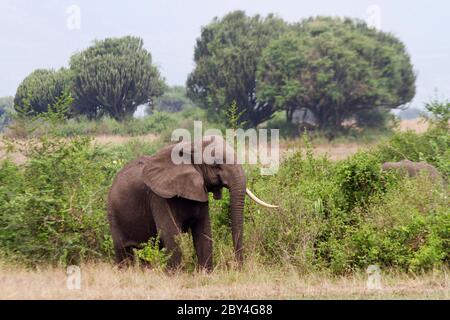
{"x": 202, "y": 236}
{"x": 168, "y": 229}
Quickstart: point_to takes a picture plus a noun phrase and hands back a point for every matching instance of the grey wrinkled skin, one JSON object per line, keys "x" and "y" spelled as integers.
{"x": 151, "y": 196}
{"x": 413, "y": 169}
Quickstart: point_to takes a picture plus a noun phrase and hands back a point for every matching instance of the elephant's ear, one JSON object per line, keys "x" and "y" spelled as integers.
{"x": 168, "y": 180}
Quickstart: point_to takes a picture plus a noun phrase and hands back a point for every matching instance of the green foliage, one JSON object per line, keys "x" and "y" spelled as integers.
{"x": 346, "y": 215}
{"x": 334, "y": 68}
{"x": 47, "y": 122}
{"x": 53, "y": 207}
{"x": 404, "y": 230}
{"x": 226, "y": 56}
{"x": 440, "y": 113}
{"x": 41, "y": 89}
{"x": 113, "y": 77}
{"x": 233, "y": 116}
{"x": 152, "y": 255}
{"x": 360, "y": 178}
{"x": 58, "y": 112}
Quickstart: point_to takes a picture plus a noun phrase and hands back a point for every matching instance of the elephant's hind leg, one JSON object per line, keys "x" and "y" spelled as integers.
{"x": 124, "y": 255}
{"x": 123, "y": 248}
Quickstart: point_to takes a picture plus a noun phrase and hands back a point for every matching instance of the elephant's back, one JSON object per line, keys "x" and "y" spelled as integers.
{"x": 131, "y": 171}
{"x": 128, "y": 184}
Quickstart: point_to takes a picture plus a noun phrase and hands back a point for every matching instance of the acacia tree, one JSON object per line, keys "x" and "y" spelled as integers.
{"x": 41, "y": 89}
{"x": 226, "y": 57}
{"x": 334, "y": 68}
{"x": 114, "y": 76}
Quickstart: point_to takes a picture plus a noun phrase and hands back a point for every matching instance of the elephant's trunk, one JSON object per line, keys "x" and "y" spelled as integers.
{"x": 237, "y": 195}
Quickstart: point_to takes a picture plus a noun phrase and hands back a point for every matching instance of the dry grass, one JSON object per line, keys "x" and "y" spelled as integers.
{"x": 335, "y": 152}
{"x": 114, "y": 139}
{"x": 103, "y": 281}
{"x": 19, "y": 158}
{"x": 417, "y": 125}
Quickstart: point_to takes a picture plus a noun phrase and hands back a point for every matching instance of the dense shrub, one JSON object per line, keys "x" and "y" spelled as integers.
{"x": 346, "y": 216}
{"x": 53, "y": 207}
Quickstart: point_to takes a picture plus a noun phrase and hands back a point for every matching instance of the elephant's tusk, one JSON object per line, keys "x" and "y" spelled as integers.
{"x": 257, "y": 200}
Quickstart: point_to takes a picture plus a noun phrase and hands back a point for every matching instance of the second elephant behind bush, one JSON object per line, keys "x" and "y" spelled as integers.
{"x": 414, "y": 169}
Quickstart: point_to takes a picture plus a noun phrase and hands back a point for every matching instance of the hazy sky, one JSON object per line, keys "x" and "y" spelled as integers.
{"x": 44, "y": 34}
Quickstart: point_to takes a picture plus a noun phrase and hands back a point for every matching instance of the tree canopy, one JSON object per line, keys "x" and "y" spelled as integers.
{"x": 334, "y": 68}
{"x": 226, "y": 57}
{"x": 114, "y": 76}
{"x": 40, "y": 89}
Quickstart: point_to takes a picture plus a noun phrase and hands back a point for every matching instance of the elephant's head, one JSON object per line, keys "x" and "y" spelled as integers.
{"x": 197, "y": 176}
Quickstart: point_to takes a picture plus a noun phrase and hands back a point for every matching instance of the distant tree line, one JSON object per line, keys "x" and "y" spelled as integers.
{"x": 322, "y": 70}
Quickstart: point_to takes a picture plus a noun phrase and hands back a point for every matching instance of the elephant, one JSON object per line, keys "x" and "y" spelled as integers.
{"x": 413, "y": 169}
{"x": 152, "y": 196}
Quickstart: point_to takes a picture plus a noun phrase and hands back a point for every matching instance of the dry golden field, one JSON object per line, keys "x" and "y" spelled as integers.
{"x": 416, "y": 125}
{"x": 104, "y": 281}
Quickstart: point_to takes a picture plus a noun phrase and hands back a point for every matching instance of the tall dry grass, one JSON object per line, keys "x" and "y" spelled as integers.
{"x": 104, "y": 281}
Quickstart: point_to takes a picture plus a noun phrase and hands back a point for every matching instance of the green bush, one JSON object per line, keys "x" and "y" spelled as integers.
{"x": 404, "y": 230}
{"x": 346, "y": 215}
{"x": 152, "y": 255}
{"x": 53, "y": 207}
{"x": 360, "y": 178}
